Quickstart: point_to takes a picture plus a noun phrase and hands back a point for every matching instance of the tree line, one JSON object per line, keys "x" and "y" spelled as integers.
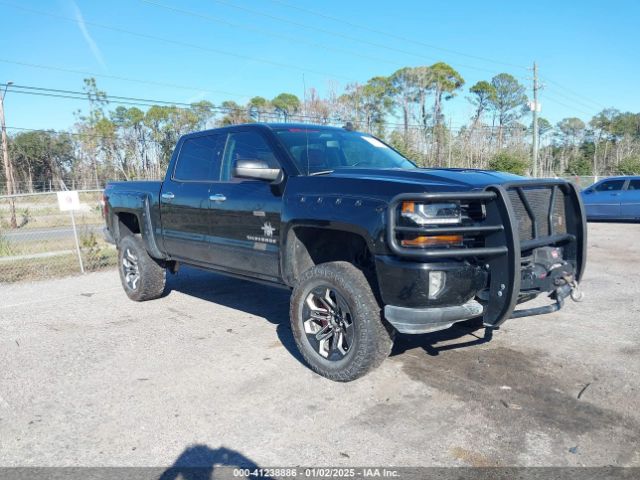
{"x": 406, "y": 109}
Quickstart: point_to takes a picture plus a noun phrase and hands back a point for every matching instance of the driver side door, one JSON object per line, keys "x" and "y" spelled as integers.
{"x": 245, "y": 224}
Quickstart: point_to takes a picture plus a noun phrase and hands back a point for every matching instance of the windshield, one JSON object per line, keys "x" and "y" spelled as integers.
{"x": 321, "y": 150}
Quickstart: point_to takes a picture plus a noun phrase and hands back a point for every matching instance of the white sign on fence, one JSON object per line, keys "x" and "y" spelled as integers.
{"x": 68, "y": 201}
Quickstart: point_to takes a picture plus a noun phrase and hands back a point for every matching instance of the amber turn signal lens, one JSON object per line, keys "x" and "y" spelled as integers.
{"x": 433, "y": 241}
{"x": 408, "y": 207}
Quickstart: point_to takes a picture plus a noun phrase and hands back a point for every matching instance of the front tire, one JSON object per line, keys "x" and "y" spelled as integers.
{"x": 337, "y": 323}
{"x": 142, "y": 277}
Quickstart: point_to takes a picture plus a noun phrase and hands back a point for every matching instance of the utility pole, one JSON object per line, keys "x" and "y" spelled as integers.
{"x": 449, "y": 154}
{"x": 535, "y": 108}
{"x": 8, "y": 167}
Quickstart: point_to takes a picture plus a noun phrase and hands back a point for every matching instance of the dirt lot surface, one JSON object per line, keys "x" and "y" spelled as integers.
{"x": 88, "y": 377}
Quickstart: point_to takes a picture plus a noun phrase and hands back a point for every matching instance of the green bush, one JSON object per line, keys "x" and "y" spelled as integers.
{"x": 629, "y": 166}
{"x": 509, "y": 162}
{"x": 397, "y": 141}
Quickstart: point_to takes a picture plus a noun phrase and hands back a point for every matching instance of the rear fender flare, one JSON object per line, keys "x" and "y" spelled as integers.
{"x": 142, "y": 211}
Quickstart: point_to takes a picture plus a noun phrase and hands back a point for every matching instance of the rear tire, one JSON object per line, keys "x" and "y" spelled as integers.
{"x": 142, "y": 277}
{"x": 337, "y": 322}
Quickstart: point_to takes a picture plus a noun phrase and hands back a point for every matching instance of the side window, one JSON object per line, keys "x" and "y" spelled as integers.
{"x": 246, "y": 146}
{"x": 634, "y": 184}
{"x": 199, "y": 159}
{"x": 610, "y": 186}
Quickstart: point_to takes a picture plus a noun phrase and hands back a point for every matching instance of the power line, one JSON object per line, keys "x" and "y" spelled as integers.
{"x": 352, "y": 24}
{"x": 74, "y": 97}
{"x": 117, "y": 77}
{"x": 117, "y": 29}
{"x": 134, "y": 80}
{"x": 85, "y": 95}
{"x": 337, "y": 34}
{"x": 213, "y": 19}
{"x": 175, "y": 42}
{"x": 573, "y": 93}
{"x": 569, "y": 99}
{"x": 75, "y": 134}
{"x": 146, "y": 102}
{"x": 139, "y": 103}
{"x": 558, "y": 102}
{"x": 196, "y": 46}
{"x": 123, "y": 100}
{"x": 393, "y": 35}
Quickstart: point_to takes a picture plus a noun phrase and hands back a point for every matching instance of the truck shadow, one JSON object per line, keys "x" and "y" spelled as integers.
{"x": 270, "y": 303}
{"x": 429, "y": 341}
{"x": 199, "y": 462}
{"x": 273, "y": 304}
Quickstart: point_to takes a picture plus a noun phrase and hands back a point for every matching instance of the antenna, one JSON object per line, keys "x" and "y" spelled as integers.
{"x": 306, "y": 130}
{"x": 304, "y": 97}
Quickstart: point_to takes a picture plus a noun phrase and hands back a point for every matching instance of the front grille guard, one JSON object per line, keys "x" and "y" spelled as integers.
{"x": 502, "y": 249}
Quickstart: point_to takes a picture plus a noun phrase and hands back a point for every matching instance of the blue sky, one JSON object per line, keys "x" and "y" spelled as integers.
{"x": 586, "y": 51}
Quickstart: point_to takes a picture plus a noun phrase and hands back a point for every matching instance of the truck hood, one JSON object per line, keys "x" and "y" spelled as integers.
{"x": 440, "y": 177}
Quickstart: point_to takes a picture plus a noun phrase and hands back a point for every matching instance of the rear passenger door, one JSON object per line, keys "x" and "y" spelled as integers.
{"x": 184, "y": 200}
{"x": 630, "y": 200}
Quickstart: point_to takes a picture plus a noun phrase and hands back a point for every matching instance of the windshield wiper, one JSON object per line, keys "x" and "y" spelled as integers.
{"x": 323, "y": 172}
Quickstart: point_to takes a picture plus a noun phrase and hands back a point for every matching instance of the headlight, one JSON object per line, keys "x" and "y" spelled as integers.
{"x": 431, "y": 213}
{"x": 426, "y": 214}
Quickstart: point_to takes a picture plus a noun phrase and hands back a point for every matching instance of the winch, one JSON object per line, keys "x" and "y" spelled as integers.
{"x": 543, "y": 271}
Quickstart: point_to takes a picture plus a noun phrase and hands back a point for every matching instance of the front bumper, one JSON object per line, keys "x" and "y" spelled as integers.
{"x": 425, "y": 320}
{"x": 433, "y": 319}
{"x": 406, "y": 283}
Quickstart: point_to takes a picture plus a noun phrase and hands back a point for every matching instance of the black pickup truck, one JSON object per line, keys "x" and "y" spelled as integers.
{"x": 368, "y": 243}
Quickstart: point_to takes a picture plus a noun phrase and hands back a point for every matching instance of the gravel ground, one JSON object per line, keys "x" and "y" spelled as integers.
{"x": 89, "y": 378}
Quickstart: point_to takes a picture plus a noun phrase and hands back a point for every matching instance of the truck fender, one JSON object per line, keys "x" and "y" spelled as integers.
{"x": 140, "y": 206}
{"x": 290, "y": 243}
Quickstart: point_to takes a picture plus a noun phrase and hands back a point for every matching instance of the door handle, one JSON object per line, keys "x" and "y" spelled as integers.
{"x": 168, "y": 196}
{"x": 218, "y": 197}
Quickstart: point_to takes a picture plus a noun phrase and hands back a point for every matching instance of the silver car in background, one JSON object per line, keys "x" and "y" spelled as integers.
{"x": 613, "y": 198}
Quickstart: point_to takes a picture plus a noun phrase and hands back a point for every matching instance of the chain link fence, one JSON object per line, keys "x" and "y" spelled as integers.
{"x": 42, "y": 244}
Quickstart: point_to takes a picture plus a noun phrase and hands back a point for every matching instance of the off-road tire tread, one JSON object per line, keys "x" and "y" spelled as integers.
{"x": 375, "y": 336}
{"x": 153, "y": 275}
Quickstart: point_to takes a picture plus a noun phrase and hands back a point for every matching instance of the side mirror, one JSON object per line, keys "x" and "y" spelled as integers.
{"x": 588, "y": 191}
{"x": 255, "y": 170}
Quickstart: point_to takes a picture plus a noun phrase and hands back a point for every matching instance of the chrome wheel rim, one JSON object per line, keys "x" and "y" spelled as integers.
{"x": 328, "y": 323}
{"x": 130, "y": 269}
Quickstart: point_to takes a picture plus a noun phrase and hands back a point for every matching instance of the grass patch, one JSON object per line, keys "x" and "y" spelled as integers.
{"x": 39, "y": 242}
{"x": 56, "y": 267}
{"x": 5, "y": 246}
